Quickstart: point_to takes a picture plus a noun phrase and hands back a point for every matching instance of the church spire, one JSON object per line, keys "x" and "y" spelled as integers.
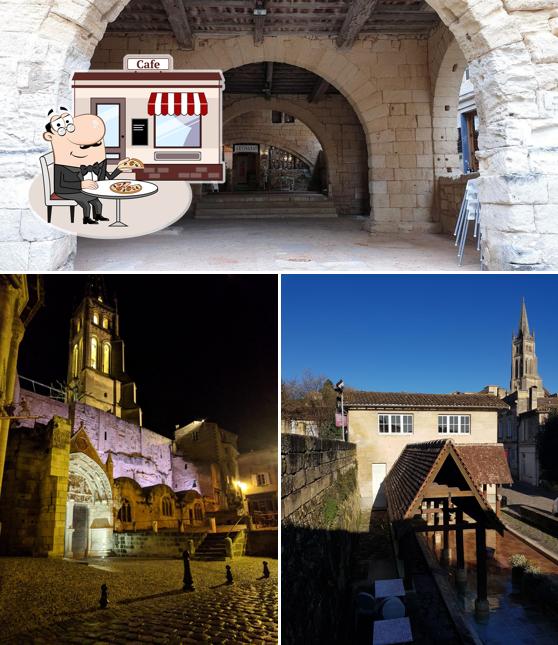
{"x": 523, "y": 321}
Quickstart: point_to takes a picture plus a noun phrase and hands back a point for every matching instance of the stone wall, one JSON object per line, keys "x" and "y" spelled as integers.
{"x": 256, "y": 127}
{"x": 321, "y": 506}
{"x": 262, "y": 543}
{"x": 148, "y": 544}
{"x": 450, "y": 197}
{"x": 35, "y": 490}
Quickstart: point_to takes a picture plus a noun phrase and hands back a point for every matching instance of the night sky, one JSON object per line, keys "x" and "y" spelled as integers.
{"x": 196, "y": 346}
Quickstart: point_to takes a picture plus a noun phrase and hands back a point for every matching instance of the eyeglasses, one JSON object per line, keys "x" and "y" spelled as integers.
{"x": 63, "y": 129}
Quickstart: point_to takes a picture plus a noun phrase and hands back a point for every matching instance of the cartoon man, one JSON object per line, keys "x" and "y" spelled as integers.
{"x": 79, "y": 159}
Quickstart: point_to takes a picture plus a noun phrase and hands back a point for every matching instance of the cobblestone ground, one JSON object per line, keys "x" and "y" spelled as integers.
{"x": 55, "y": 601}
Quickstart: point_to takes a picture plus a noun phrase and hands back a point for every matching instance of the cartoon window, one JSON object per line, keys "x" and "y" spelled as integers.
{"x": 177, "y": 131}
{"x": 93, "y": 357}
{"x": 106, "y": 358}
{"x": 125, "y": 511}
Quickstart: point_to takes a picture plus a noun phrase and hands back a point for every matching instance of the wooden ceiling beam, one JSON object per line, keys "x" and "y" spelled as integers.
{"x": 179, "y": 23}
{"x": 260, "y": 13}
{"x": 358, "y": 14}
{"x": 318, "y": 91}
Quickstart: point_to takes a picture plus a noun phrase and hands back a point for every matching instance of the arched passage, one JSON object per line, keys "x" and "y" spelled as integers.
{"x": 512, "y": 54}
{"x": 347, "y": 184}
{"x": 89, "y": 516}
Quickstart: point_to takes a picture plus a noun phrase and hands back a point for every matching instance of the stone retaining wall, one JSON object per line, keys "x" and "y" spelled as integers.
{"x": 262, "y": 543}
{"x": 320, "y": 510}
{"x": 146, "y": 543}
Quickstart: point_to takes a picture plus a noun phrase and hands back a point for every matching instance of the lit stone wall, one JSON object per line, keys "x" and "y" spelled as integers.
{"x": 35, "y": 490}
{"x": 451, "y": 191}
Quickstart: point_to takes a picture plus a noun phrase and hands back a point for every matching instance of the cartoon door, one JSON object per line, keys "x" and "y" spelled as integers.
{"x": 378, "y": 494}
{"x": 113, "y": 113}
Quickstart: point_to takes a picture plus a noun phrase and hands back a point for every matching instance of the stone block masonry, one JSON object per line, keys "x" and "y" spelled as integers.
{"x": 320, "y": 510}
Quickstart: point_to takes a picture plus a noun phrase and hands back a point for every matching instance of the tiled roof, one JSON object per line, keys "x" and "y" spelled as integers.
{"x": 487, "y": 463}
{"x": 428, "y": 401}
{"x": 415, "y": 467}
{"x": 547, "y": 404}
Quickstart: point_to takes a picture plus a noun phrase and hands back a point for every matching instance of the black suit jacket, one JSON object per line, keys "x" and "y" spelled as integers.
{"x": 67, "y": 179}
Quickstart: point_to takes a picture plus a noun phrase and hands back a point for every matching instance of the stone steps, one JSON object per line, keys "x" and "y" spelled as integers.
{"x": 264, "y": 205}
{"x": 213, "y": 547}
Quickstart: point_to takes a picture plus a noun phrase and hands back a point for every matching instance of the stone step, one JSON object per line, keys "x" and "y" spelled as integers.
{"x": 264, "y": 214}
{"x": 243, "y": 198}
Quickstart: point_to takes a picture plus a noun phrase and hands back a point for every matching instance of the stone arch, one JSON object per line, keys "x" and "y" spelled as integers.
{"x": 447, "y": 66}
{"x": 89, "y": 515}
{"x": 510, "y": 50}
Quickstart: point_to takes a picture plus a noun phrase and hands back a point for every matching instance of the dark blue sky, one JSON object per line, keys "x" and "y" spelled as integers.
{"x": 416, "y": 333}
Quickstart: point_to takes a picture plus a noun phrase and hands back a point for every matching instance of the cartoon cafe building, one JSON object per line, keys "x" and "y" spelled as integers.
{"x": 170, "y": 120}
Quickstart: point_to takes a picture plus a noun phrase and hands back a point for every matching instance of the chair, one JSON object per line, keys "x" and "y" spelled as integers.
{"x": 51, "y": 198}
{"x": 392, "y": 608}
{"x": 365, "y": 606}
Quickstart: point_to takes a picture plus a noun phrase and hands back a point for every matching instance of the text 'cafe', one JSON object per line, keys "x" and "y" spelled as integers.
{"x": 171, "y": 120}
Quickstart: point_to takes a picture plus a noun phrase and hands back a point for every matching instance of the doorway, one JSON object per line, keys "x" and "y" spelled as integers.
{"x": 246, "y": 170}
{"x": 378, "y": 491}
{"x": 113, "y": 113}
{"x": 80, "y": 536}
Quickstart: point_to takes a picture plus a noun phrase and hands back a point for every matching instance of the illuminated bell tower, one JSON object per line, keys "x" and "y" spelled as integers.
{"x": 96, "y": 373}
{"x": 524, "y": 367}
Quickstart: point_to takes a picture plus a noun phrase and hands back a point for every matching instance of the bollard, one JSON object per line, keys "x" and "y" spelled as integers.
{"x": 265, "y": 570}
{"x": 103, "y": 601}
{"x": 187, "y": 580}
{"x": 229, "y": 575}
{"x": 190, "y": 547}
{"x": 228, "y": 548}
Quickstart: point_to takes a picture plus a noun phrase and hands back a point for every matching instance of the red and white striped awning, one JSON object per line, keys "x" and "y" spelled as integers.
{"x": 190, "y": 103}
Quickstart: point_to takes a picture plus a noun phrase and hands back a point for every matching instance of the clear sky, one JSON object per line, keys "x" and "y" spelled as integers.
{"x": 416, "y": 333}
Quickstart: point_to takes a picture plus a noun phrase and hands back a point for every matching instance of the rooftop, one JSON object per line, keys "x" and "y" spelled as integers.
{"x": 454, "y": 401}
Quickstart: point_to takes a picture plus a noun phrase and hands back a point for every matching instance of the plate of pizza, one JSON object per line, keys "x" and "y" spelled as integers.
{"x": 125, "y": 187}
{"x": 132, "y": 164}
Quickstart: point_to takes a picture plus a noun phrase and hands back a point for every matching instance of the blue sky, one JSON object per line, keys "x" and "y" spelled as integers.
{"x": 416, "y": 333}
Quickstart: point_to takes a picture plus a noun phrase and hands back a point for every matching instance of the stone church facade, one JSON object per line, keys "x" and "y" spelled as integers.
{"x": 530, "y": 405}
{"x": 80, "y": 470}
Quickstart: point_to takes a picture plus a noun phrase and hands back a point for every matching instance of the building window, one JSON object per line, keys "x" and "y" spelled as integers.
{"x": 105, "y": 322}
{"x": 395, "y": 423}
{"x": 288, "y": 118}
{"x": 177, "y": 131}
{"x": 106, "y": 358}
{"x": 195, "y": 435}
{"x": 95, "y": 318}
{"x": 509, "y": 434}
{"x": 93, "y": 357}
{"x": 454, "y": 424}
{"x": 167, "y": 507}
{"x": 125, "y": 511}
{"x": 198, "y": 513}
{"x": 262, "y": 479}
{"x": 75, "y": 360}
{"x": 276, "y": 117}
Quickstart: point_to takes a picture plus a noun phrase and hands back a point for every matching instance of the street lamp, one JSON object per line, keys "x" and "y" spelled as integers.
{"x": 339, "y": 387}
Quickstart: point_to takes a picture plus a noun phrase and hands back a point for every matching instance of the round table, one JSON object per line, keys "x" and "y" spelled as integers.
{"x": 103, "y": 191}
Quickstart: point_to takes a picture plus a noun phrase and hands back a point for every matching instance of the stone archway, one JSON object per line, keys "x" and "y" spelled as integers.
{"x": 89, "y": 514}
{"x": 510, "y": 45}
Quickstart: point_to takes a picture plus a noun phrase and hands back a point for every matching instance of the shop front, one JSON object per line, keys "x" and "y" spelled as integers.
{"x": 171, "y": 120}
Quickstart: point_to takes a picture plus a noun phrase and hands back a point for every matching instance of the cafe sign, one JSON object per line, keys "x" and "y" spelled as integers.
{"x": 156, "y": 63}
{"x": 247, "y": 147}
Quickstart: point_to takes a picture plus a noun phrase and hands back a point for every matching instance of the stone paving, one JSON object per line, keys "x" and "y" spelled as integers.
{"x": 287, "y": 245}
{"x": 55, "y": 601}
{"x": 527, "y": 495}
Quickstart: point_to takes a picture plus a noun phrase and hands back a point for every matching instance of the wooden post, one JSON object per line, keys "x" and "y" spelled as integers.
{"x": 461, "y": 573}
{"x": 446, "y": 551}
{"x": 481, "y": 602}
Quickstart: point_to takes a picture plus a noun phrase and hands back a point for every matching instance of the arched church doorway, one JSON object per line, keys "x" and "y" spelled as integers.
{"x": 89, "y": 512}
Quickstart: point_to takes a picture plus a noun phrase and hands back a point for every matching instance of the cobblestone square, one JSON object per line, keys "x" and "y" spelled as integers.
{"x": 56, "y": 601}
